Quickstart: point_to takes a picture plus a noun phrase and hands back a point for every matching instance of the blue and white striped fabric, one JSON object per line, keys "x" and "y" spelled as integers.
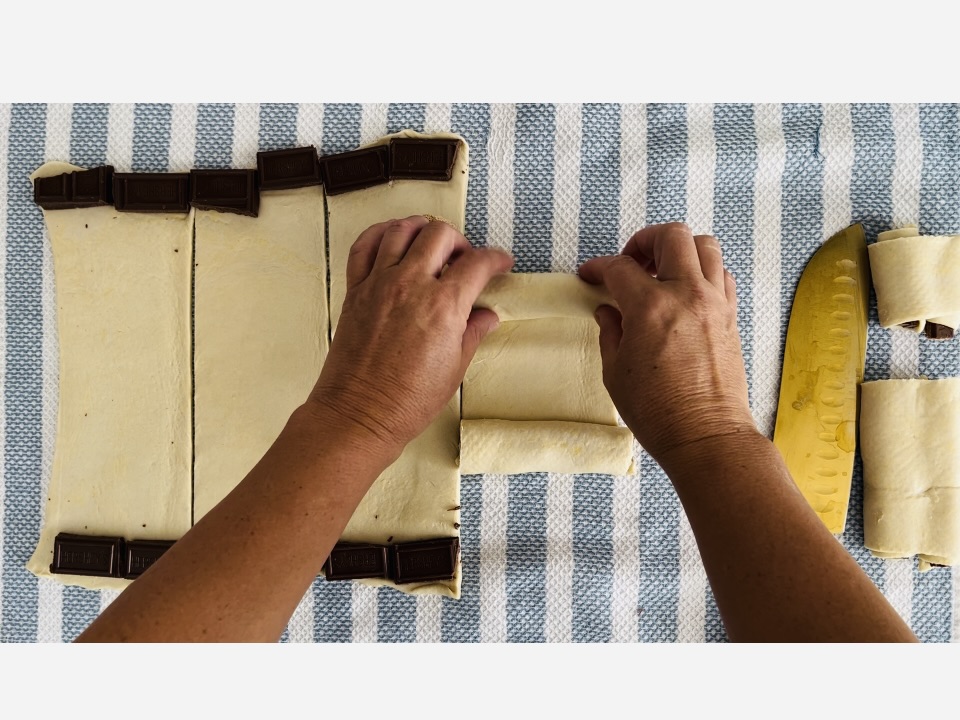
{"x": 546, "y": 558}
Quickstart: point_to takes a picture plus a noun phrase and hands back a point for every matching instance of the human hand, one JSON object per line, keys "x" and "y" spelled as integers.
{"x": 671, "y": 356}
{"x": 407, "y": 331}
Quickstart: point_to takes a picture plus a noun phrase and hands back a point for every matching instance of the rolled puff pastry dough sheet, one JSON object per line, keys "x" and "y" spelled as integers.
{"x": 507, "y": 447}
{"x": 529, "y": 296}
{"x": 121, "y": 465}
{"x": 910, "y": 442}
{"x": 533, "y": 397}
{"x": 916, "y": 278}
{"x": 260, "y": 334}
{"x": 418, "y": 497}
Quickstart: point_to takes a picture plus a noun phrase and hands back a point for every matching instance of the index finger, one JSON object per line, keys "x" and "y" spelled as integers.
{"x": 668, "y": 251}
{"x": 473, "y": 270}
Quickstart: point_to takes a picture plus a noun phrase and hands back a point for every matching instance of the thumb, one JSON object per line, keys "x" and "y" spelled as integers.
{"x": 480, "y": 322}
{"x": 611, "y": 331}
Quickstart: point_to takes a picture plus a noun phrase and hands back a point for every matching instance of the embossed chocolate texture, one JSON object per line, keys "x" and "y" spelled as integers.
{"x": 80, "y": 189}
{"x": 422, "y": 159}
{"x": 409, "y": 562}
{"x": 355, "y": 170}
{"x": 289, "y": 168}
{"x": 87, "y": 555}
{"x": 104, "y": 556}
{"x": 350, "y": 561}
{"x": 225, "y": 190}
{"x": 152, "y": 192}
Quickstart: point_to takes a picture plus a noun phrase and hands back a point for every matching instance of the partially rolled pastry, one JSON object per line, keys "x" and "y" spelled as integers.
{"x": 533, "y": 397}
{"x": 910, "y": 442}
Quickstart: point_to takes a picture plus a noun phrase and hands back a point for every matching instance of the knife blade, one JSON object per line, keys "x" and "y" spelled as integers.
{"x": 823, "y": 361}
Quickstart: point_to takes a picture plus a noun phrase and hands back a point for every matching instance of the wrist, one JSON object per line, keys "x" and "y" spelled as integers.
{"x": 732, "y": 445}
{"x": 336, "y": 429}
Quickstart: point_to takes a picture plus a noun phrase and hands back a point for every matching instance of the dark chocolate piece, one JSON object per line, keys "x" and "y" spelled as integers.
{"x": 52, "y": 193}
{"x": 422, "y": 159}
{"x": 351, "y": 561}
{"x": 225, "y": 190}
{"x": 93, "y": 187}
{"x": 426, "y": 560}
{"x": 912, "y": 325}
{"x": 152, "y": 192}
{"x": 293, "y": 168}
{"x": 355, "y": 170}
{"x": 141, "y": 554}
{"x": 87, "y": 555}
{"x": 80, "y": 189}
{"x": 936, "y": 331}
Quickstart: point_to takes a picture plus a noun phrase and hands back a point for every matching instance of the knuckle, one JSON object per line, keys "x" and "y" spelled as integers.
{"x": 621, "y": 262}
{"x": 708, "y": 297}
{"x": 678, "y": 230}
{"x": 401, "y": 286}
{"x": 356, "y": 249}
{"x": 444, "y": 228}
{"x": 655, "y": 305}
{"x": 619, "y": 273}
{"x": 701, "y": 291}
{"x": 404, "y": 225}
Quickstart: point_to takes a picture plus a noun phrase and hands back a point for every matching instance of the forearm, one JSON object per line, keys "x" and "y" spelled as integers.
{"x": 240, "y": 572}
{"x": 776, "y": 572}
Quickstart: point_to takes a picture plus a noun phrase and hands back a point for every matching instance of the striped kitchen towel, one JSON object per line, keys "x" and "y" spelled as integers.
{"x": 546, "y": 558}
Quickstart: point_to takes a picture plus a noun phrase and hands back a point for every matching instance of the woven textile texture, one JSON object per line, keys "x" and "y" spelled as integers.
{"x": 546, "y": 558}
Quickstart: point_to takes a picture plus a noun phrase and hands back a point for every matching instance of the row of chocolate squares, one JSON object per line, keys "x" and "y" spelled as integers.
{"x": 403, "y": 563}
{"x": 238, "y": 191}
{"x": 103, "y": 556}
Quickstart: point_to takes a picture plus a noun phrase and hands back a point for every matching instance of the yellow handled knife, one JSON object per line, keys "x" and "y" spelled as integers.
{"x": 816, "y": 430}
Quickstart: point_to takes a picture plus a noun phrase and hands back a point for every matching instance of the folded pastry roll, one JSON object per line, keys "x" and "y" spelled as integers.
{"x": 917, "y": 280}
{"x": 508, "y": 447}
{"x": 910, "y": 441}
